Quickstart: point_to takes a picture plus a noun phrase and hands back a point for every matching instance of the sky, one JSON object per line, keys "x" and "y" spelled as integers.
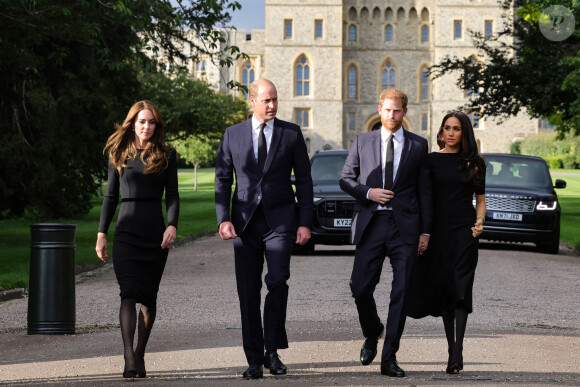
{"x": 252, "y": 16}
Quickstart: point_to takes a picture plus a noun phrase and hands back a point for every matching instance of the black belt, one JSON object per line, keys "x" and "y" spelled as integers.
{"x": 140, "y": 200}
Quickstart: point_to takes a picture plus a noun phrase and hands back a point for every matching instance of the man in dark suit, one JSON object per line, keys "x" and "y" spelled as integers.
{"x": 265, "y": 221}
{"x": 392, "y": 216}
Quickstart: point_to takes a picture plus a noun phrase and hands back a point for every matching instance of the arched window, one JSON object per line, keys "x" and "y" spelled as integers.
{"x": 388, "y": 33}
{"x": 351, "y": 121}
{"x": 457, "y": 29}
{"x": 424, "y": 84}
{"x": 388, "y": 76}
{"x": 247, "y": 76}
{"x": 472, "y": 92}
{"x": 352, "y": 33}
{"x": 424, "y": 34}
{"x": 307, "y": 141}
{"x": 302, "y": 76}
{"x": 424, "y": 121}
{"x": 488, "y": 28}
{"x": 352, "y": 83}
{"x": 287, "y": 29}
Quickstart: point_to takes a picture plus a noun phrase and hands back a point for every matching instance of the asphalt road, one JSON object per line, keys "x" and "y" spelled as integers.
{"x": 525, "y": 328}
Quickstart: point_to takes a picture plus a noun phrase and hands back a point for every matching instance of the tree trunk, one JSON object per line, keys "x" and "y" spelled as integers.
{"x": 195, "y": 176}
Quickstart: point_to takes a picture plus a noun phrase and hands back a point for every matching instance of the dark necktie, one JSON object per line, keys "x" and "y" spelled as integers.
{"x": 389, "y": 163}
{"x": 262, "y": 149}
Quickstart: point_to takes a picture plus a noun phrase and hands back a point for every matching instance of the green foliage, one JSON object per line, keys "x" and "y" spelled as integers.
{"x": 190, "y": 107}
{"x": 68, "y": 71}
{"x": 515, "y": 148}
{"x": 197, "y": 152}
{"x": 519, "y": 68}
{"x": 558, "y": 152}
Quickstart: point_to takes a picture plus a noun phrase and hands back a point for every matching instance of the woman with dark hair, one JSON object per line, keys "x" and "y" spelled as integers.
{"x": 142, "y": 168}
{"x": 443, "y": 281}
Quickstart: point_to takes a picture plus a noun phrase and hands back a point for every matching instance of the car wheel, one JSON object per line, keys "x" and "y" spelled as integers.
{"x": 553, "y": 246}
{"x": 308, "y": 248}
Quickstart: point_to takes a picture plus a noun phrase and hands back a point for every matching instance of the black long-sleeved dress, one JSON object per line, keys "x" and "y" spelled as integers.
{"x": 138, "y": 258}
{"x": 443, "y": 279}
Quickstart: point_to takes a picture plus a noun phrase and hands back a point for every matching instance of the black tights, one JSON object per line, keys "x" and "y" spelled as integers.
{"x": 135, "y": 359}
{"x": 455, "y": 322}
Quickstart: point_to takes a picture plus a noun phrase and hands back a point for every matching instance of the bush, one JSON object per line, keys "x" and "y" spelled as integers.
{"x": 516, "y": 148}
{"x": 554, "y": 162}
{"x": 558, "y": 153}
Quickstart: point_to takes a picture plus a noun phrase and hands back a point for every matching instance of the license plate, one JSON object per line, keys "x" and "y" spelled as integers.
{"x": 342, "y": 222}
{"x": 507, "y": 216}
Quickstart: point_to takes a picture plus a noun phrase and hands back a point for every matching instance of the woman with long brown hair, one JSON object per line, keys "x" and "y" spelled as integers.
{"x": 443, "y": 281}
{"x": 141, "y": 168}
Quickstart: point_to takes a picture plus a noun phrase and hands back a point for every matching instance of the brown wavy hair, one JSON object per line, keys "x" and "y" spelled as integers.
{"x": 121, "y": 144}
{"x": 471, "y": 161}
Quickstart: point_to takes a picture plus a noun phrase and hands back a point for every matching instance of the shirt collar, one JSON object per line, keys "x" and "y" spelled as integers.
{"x": 399, "y": 134}
{"x": 256, "y": 124}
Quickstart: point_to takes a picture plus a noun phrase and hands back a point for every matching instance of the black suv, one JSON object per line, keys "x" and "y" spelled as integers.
{"x": 332, "y": 207}
{"x": 522, "y": 205}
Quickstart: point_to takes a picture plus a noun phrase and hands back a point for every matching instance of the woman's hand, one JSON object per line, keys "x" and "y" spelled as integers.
{"x": 169, "y": 237}
{"x": 101, "y": 247}
{"x": 477, "y": 229}
{"x": 423, "y": 243}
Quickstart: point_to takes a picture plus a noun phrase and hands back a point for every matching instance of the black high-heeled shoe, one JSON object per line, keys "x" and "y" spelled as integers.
{"x": 130, "y": 374}
{"x": 455, "y": 363}
{"x": 141, "y": 372}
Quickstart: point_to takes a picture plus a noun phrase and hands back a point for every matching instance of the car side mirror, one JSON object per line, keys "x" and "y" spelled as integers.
{"x": 560, "y": 183}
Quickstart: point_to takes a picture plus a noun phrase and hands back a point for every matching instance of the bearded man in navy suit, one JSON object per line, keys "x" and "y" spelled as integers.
{"x": 386, "y": 172}
{"x": 266, "y": 219}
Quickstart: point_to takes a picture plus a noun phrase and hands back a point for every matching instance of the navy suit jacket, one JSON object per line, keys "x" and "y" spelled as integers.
{"x": 411, "y": 203}
{"x": 273, "y": 187}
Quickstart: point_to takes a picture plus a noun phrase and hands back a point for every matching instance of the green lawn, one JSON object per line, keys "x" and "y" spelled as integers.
{"x": 570, "y": 203}
{"x": 197, "y": 215}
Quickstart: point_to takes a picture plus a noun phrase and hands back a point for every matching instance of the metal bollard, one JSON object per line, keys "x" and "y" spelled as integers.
{"x": 51, "y": 299}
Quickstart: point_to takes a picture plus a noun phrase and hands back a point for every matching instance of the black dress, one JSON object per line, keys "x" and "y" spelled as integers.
{"x": 443, "y": 279}
{"x": 138, "y": 258}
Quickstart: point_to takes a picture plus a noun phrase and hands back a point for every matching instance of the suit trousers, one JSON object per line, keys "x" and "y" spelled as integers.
{"x": 256, "y": 242}
{"x": 381, "y": 238}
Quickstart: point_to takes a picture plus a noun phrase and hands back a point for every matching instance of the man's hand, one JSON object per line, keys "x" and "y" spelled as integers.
{"x": 227, "y": 231}
{"x": 302, "y": 235}
{"x": 381, "y": 196}
{"x": 423, "y": 243}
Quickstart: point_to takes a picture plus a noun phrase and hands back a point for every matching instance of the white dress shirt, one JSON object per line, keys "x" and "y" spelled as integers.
{"x": 398, "y": 141}
{"x": 268, "y": 130}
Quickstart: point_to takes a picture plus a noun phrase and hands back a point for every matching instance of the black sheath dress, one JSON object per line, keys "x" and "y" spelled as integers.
{"x": 138, "y": 258}
{"x": 443, "y": 279}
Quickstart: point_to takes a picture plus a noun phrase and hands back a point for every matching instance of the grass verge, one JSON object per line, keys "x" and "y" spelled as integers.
{"x": 197, "y": 215}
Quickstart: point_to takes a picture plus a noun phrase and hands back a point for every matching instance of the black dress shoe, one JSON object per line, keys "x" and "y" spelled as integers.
{"x": 254, "y": 371}
{"x": 273, "y": 362}
{"x": 391, "y": 368}
{"x": 369, "y": 348}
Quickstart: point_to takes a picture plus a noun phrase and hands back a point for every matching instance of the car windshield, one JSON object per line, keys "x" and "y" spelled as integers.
{"x": 514, "y": 172}
{"x": 327, "y": 169}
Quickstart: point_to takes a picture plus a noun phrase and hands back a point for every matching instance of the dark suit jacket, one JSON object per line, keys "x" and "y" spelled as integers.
{"x": 273, "y": 188}
{"x": 411, "y": 203}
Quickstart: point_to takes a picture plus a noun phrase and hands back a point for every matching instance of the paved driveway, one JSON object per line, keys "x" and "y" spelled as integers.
{"x": 525, "y": 328}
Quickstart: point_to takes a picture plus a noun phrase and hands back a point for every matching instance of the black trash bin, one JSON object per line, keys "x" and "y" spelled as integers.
{"x": 51, "y": 298}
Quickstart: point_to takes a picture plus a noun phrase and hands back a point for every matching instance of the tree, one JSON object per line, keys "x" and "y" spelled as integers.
{"x": 520, "y": 68}
{"x": 191, "y": 107}
{"x": 198, "y": 153}
{"x": 69, "y": 69}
